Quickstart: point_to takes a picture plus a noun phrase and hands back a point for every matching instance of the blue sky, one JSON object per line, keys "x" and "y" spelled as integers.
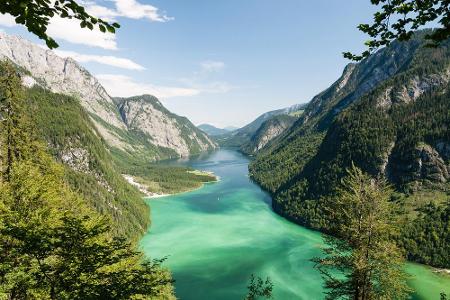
{"x": 222, "y": 62}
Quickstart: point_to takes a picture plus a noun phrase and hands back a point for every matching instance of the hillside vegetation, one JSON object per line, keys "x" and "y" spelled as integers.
{"x": 54, "y": 242}
{"x": 388, "y": 115}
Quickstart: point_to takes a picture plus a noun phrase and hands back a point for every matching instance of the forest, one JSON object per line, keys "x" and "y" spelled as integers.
{"x": 384, "y": 140}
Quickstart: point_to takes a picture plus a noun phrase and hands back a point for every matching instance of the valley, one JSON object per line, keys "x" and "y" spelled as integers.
{"x": 108, "y": 196}
{"x": 216, "y": 237}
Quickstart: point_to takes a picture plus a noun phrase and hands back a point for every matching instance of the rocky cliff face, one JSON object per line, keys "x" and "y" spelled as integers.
{"x": 146, "y": 115}
{"x": 163, "y": 130}
{"x": 423, "y": 163}
{"x": 61, "y": 75}
{"x": 268, "y": 131}
{"x": 244, "y": 136}
{"x": 387, "y": 114}
{"x": 358, "y": 80}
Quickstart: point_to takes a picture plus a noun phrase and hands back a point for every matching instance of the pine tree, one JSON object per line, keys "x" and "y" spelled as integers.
{"x": 11, "y": 103}
{"x": 51, "y": 245}
{"x": 362, "y": 262}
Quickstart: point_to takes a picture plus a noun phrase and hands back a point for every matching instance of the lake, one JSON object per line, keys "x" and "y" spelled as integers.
{"x": 217, "y": 236}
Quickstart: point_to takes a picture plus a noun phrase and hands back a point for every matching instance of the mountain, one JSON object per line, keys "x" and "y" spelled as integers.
{"x": 268, "y": 131}
{"x": 146, "y": 117}
{"x": 212, "y": 130}
{"x": 244, "y": 135}
{"x": 63, "y": 75}
{"x": 231, "y": 128}
{"x": 387, "y": 115}
{"x": 89, "y": 168}
{"x": 103, "y": 143}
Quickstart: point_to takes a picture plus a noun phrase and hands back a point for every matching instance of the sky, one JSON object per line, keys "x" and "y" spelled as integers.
{"x": 221, "y": 62}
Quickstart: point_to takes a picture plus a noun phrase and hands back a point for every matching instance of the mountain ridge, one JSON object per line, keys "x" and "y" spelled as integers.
{"x": 388, "y": 116}
{"x": 66, "y": 76}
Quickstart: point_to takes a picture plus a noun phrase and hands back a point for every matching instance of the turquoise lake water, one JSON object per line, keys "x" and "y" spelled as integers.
{"x": 217, "y": 236}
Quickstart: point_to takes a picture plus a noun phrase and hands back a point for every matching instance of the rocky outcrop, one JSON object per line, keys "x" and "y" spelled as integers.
{"x": 268, "y": 131}
{"x": 242, "y": 137}
{"x": 60, "y": 75}
{"x": 423, "y": 163}
{"x": 413, "y": 89}
{"x": 357, "y": 80}
{"x": 63, "y": 75}
{"x": 146, "y": 115}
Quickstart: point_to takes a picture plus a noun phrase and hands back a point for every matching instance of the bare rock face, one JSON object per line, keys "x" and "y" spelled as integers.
{"x": 60, "y": 75}
{"x": 359, "y": 79}
{"x": 76, "y": 158}
{"x": 267, "y": 132}
{"x": 145, "y": 114}
{"x": 424, "y": 163}
{"x": 63, "y": 75}
{"x": 272, "y": 131}
{"x": 413, "y": 89}
{"x": 160, "y": 129}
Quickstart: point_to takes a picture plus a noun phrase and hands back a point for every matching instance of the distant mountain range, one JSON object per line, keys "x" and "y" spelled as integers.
{"x": 214, "y": 131}
{"x": 256, "y": 135}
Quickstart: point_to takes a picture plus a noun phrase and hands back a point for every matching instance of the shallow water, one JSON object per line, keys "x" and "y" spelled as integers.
{"x": 217, "y": 236}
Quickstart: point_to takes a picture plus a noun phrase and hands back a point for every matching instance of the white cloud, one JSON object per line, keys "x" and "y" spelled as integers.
{"x": 127, "y": 9}
{"x": 70, "y": 30}
{"x": 7, "y": 20}
{"x": 201, "y": 80}
{"x": 134, "y": 10}
{"x": 212, "y": 66}
{"x": 101, "y": 11}
{"x": 124, "y": 86}
{"x": 109, "y": 60}
{"x": 217, "y": 87}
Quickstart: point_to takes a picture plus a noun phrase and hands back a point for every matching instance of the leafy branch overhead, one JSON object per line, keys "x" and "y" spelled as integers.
{"x": 35, "y": 15}
{"x": 398, "y": 19}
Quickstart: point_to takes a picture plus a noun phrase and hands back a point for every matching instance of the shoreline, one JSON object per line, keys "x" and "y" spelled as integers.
{"x": 151, "y": 195}
{"x": 440, "y": 271}
{"x": 156, "y": 196}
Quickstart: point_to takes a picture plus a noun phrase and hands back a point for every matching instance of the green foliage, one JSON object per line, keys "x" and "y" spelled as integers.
{"x": 427, "y": 236}
{"x": 259, "y": 288}
{"x": 160, "y": 178}
{"x": 399, "y": 19}
{"x": 307, "y": 164}
{"x": 66, "y": 127}
{"x": 362, "y": 263}
{"x": 35, "y": 15}
{"x": 52, "y": 245}
{"x": 276, "y": 167}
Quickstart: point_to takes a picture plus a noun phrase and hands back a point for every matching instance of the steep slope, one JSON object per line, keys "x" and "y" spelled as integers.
{"x": 92, "y": 170}
{"x": 268, "y": 131}
{"x": 147, "y": 118}
{"x": 89, "y": 169}
{"x": 286, "y": 158}
{"x": 389, "y": 116}
{"x": 243, "y": 135}
{"x": 65, "y": 76}
{"x": 212, "y": 130}
{"x": 231, "y": 128}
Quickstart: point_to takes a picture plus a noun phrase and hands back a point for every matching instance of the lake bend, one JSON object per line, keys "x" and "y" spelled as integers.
{"x": 215, "y": 237}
